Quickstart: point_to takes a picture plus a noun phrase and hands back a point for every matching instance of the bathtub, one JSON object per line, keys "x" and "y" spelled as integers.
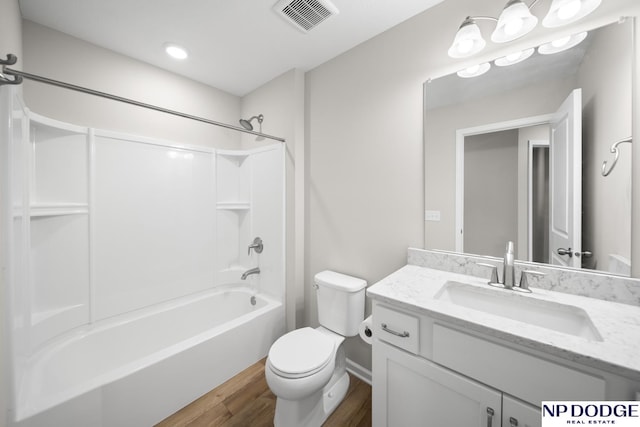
{"x": 138, "y": 368}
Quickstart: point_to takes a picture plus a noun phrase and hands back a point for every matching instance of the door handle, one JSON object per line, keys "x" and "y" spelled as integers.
{"x": 490, "y": 414}
{"x": 403, "y": 334}
{"x": 563, "y": 251}
{"x": 584, "y": 254}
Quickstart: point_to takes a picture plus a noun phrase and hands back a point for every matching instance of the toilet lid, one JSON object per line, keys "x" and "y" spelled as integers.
{"x": 301, "y": 352}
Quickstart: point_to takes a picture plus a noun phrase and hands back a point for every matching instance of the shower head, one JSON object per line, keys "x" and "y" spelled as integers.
{"x": 247, "y": 123}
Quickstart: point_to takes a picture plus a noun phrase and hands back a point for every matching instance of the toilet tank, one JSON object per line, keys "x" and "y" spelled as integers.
{"x": 340, "y": 302}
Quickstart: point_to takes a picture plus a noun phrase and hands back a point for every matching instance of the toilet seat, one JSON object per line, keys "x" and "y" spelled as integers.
{"x": 301, "y": 353}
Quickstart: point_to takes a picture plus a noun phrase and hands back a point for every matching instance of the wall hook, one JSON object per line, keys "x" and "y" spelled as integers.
{"x": 616, "y": 152}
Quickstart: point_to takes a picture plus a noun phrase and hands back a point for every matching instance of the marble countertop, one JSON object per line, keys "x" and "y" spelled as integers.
{"x": 414, "y": 288}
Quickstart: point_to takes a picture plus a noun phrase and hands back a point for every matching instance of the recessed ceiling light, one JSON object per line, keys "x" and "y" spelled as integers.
{"x": 175, "y": 51}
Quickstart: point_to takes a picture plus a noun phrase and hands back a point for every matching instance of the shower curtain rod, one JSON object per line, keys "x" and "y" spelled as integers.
{"x": 19, "y": 75}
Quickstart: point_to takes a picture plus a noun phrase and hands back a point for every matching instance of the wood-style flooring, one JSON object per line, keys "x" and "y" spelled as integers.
{"x": 246, "y": 401}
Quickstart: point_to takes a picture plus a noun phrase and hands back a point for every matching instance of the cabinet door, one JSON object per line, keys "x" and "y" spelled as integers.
{"x": 516, "y": 413}
{"x": 410, "y": 391}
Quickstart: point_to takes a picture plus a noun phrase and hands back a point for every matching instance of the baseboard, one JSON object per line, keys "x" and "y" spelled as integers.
{"x": 359, "y": 371}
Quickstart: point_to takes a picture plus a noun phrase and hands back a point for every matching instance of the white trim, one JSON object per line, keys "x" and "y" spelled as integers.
{"x": 478, "y": 130}
{"x": 359, "y": 371}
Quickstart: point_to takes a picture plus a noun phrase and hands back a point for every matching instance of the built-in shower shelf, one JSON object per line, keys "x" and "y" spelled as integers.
{"x": 236, "y": 156}
{"x": 57, "y": 209}
{"x": 234, "y": 206}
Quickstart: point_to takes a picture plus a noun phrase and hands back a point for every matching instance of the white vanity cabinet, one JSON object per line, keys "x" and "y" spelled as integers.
{"x": 428, "y": 372}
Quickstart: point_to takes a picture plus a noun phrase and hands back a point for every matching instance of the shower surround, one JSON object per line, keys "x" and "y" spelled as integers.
{"x": 124, "y": 259}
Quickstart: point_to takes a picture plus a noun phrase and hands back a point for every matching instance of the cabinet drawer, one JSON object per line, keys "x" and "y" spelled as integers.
{"x": 396, "y": 328}
{"x": 528, "y": 377}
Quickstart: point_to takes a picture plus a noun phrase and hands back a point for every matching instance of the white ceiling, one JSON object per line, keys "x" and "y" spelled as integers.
{"x": 234, "y": 45}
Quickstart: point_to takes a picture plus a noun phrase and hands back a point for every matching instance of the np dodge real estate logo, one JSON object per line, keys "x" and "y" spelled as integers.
{"x": 620, "y": 414}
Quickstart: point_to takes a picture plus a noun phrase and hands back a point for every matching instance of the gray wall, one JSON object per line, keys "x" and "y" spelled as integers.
{"x": 490, "y": 192}
{"x": 605, "y": 78}
{"x": 59, "y": 56}
{"x": 281, "y": 101}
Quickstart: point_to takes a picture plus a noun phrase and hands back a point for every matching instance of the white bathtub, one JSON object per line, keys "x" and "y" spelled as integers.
{"x": 136, "y": 369}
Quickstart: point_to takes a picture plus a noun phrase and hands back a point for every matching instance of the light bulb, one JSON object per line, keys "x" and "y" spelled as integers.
{"x": 473, "y": 69}
{"x": 465, "y": 46}
{"x": 514, "y": 56}
{"x": 569, "y": 10}
{"x": 513, "y": 26}
{"x": 561, "y": 42}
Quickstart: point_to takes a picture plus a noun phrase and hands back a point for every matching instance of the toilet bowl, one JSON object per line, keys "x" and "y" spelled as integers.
{"x": 306, "y": 368}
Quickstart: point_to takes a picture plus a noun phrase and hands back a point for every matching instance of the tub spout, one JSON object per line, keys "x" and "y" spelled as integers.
{"x": 249, "y": 272}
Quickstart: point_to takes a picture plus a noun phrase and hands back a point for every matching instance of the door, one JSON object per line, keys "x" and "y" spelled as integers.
{"x": 565, "y": 183}
{"x": 409, "y": 391}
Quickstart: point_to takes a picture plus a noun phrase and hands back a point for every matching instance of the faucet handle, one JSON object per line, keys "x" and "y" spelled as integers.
{"x": 494, "y": 271}
{"x": 256, "y": 246}
{"x": 524, "y": 282}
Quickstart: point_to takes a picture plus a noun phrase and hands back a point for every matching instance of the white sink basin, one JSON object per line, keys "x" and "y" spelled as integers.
{"x": 512, "y": 305}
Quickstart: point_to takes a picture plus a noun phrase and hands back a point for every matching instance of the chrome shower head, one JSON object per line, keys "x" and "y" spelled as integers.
{"x": 246, "y": 123}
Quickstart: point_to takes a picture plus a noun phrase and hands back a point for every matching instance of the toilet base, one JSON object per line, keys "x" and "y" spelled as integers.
{"x": 313, "y": 410}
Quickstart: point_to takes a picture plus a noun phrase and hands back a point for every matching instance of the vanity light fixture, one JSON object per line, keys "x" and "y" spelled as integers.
{"x": 564, "y": 12}
{"x": 514, "y": 58}
{"x": 175, "y": 51}
{"x": 474, "y": 70}
{"x": 515, "y": 21}
{"x": 562, "y": 44}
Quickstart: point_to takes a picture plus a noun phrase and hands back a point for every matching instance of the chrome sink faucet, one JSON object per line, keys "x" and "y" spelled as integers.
{"x": 508, "y": 271}
{"x": 255, "y": 270}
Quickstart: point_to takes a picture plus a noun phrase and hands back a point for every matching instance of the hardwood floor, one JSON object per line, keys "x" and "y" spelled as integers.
{"x": 246, "y": 401}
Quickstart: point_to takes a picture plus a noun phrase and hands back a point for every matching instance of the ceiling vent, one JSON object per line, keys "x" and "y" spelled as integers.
{"x": 305, "y": 15}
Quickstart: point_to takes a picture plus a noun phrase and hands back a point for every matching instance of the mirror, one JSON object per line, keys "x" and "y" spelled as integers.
{"x": 487, "y": 164}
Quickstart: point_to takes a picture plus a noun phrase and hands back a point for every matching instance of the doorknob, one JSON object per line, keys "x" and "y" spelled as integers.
{"x": 563, "y": 251}
{"x": 584, "y": 254}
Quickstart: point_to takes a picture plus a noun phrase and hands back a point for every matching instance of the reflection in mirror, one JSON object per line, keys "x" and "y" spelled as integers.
{"x": 498, "y": 162}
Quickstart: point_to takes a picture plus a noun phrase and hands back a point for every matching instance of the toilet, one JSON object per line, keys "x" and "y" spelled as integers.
{"x": 306, "y": 368}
